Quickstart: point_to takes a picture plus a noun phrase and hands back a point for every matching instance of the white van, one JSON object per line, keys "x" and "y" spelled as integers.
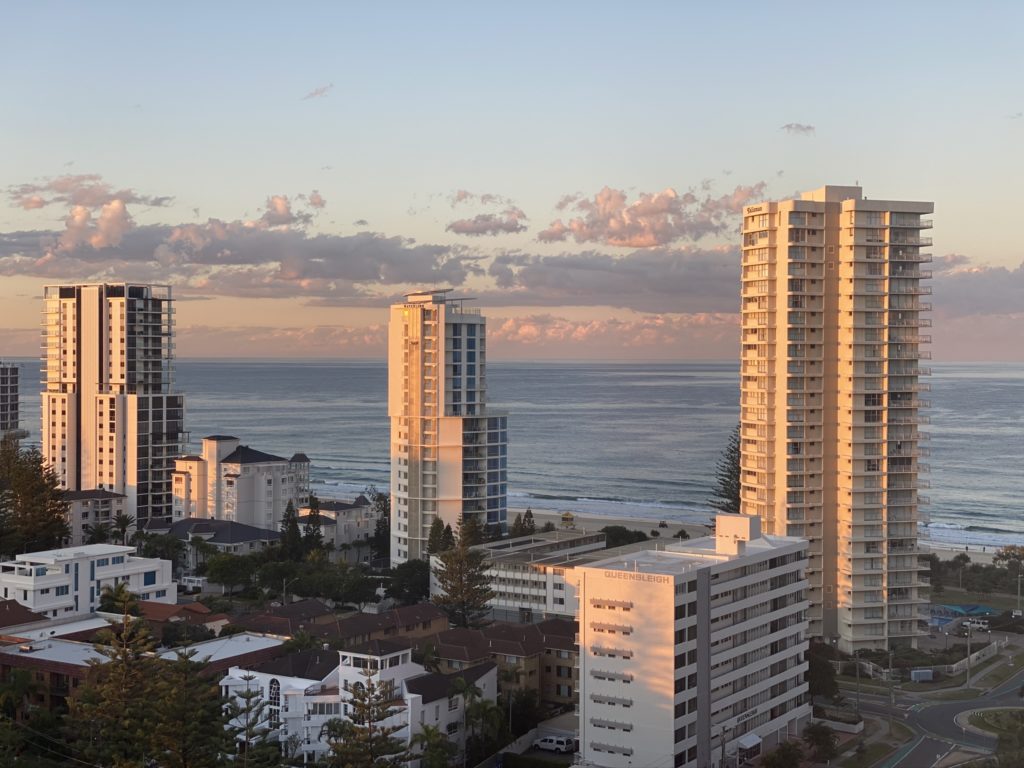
{"x": 981, "y": 624}
{"x": 562, "y": 744}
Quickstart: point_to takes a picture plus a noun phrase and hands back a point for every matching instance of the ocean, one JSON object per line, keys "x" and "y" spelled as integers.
{"x": 615, "y": 439}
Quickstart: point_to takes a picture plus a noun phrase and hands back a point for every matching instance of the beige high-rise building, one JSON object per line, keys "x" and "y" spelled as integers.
{"x": 831, "y": 379}
{"x": 448, "y": 451}
{"x": 110, "y": 418}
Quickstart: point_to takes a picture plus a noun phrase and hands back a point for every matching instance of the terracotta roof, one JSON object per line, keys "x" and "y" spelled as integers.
{"x": 435, "y": 685}
{"x": 382, "y": 647}
{"x": 509, "y": 639}
{"x": 301, "y": 610}
{"x": 155, "y": 611}
{"x": 13, "y": 613}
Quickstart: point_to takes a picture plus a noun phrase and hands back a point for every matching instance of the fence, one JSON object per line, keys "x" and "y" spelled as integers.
{"x": 872, "y": 670}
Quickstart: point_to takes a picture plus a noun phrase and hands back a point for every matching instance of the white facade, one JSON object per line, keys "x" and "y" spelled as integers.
{"x": 230, "y": 481}
{"x": 298, "y": 708}
{"x": 448, "y": 451}
{"x": 831, "y": 379}
{"x": 65, "y": 582}
{"x": 110, "y": 419}
{"x": 693, "y": 648}
{"x": 347, "y": 528}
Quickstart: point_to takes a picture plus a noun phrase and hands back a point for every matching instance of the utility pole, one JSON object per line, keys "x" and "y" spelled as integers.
{"x": 968, "y": 683}
{"x": 1019, "y": 576}
{"x": 856, "y": 666}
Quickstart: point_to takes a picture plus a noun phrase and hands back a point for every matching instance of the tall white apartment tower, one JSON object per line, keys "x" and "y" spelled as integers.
{"x": 448, "y": 451}
{"x": 9, "y": 400}
{"x": 110, "y": 419}
{"x": 831, "y": 380}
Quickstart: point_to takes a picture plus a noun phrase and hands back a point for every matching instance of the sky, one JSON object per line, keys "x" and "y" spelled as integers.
{"x": 578, "y": 168}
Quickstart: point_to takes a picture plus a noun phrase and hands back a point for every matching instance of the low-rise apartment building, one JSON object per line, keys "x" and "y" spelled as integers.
{"x": 346, "y": 527}
{"x": 693, "y": 655}
{"x": 63, "y": 582}
{"x": 305, "y": 690}
{"x": 231, "y": 481}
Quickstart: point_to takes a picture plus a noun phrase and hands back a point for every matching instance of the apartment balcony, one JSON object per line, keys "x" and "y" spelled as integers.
{"x": 903, "y": 369}
{"x": 913, "y": 274}
{"x": 895, "y": 242}
{"x": 912, "y": 224}
{"x": 918, "y": 258}
{"x": 914, "y": 322}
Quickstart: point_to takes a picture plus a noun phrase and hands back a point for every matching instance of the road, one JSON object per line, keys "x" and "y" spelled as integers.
{"x": 934, "y": 722}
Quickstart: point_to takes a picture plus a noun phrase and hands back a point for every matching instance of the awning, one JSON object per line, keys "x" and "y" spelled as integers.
{"x": 749, "y": 740}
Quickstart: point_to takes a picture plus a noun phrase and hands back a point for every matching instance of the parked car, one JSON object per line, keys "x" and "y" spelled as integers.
{"x": 563, "y": 744}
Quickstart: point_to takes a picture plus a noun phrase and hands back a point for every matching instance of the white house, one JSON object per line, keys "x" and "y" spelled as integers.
{"x": 231, "y": 481}
{"x": 64, "y": 582}
{"x": 307, "y": 689}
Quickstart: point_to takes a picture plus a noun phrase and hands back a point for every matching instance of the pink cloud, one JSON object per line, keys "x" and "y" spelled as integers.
{"x": 652, "y": 219}
{"x": 509, "y": 221}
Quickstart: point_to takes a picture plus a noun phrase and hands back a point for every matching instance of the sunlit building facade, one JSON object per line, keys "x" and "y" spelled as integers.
{"x": 110, "y": 417}
{"x": 832, "y": 341}
{"x": 448, "y": 450}
{"x": 693, "y": 655}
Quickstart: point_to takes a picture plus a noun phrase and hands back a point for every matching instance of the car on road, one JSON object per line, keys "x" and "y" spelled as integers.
{"x": 562, "y": 744}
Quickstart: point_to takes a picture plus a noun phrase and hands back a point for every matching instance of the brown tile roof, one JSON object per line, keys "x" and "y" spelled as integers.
{"x": 13, "y": 613}
{"x": 435, "y": 685}
{"x": 509, "y": 639}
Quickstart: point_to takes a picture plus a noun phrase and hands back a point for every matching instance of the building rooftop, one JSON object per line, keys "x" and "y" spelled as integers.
{"x": 434, "y": 686}
{"x": 56, "y": 650}
{"x": 314, "y": 664}
{"x": 219, "y": 438}
{"x": 539, "y": 547}
{"x": 92, "y": 494}
{"x": 243, "y": 454}
{"x": 299, "y": 458}
{"x": 224, "y": 648}
{"x": 13, "y": 613}
{"x": 214, "y": 531}
{"x": 60, "y": 627}
{"x": 70, "y": 553}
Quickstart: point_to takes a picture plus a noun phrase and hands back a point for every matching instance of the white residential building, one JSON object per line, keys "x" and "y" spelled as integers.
{"x": 305, "y": 690}
{"x": 110, "y": 418}
{"x": 64, "y": 582}
{"x": 231, "y": 481}
{"x": 347, "y": 527}
{"x": 834, "y": 332}
{"x": 693, "y": 652}
{"x": 448, "y": 450}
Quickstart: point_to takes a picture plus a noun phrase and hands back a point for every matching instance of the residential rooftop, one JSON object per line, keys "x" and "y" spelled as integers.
{"x": 71, "y": 553}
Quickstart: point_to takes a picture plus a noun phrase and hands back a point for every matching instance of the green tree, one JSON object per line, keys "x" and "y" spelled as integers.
{"x": 434, "y": 539}
{"x": 821, "y": 675}
{"x": 516, "y": 529}
{"x": 366, "y": 740}
{"x": 447, "y": 539}
{"x": 410, "y": 582}
{"x": 106, "y": 723}
{"x": 433, "y": 748}
{"x": 548, "y": 527}
{"x": 249, "y": 725}
{"x": 163, "y": 546}
{"x": 822, "y": 740}
{"x": 726, "y": 495}
{"x": 312, "y": 533}
{"x": 33, "y": 511}
{"x": 123, "y": 523}
{"x": 471, "y": 531}
{"x": 618, "y": 535}
{"x": 16, "y": 694}
{"x": 98, "y": 533}
{"x": 188, "y": 717}
{"x": 291, "y": 536}
{"x": 464, "y": 583}
{"x": 786, "y": 755}
{"x": 529, "y": 525}
{"x": 230, "y": 571}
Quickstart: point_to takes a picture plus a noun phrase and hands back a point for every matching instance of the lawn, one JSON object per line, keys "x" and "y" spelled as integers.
{"x": 1005, "y": 672}
{"x": 956, "y": 694}
{"x": 1000, "y": 722}
{"x": 872, "y": 755}
{"x": 954, "y": 596}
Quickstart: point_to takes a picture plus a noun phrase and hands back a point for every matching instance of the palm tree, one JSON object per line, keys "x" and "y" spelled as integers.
{"x": 122, "y": 523}
{"x": 435, "y": 749}
{"x": 201, "y": 550}
{"x": 97, "y": 534}
{"x": 470, "y": 694}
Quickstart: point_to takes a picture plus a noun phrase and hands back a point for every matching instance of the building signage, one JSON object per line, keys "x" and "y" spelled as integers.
{"x": 754, "y": 208}
{"x": 634, "y": 576}
{"x": 747, "y": 715}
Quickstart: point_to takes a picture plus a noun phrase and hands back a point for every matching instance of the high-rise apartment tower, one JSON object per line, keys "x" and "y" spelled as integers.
{"x": 831, "y": 383}
{"x": 448, "y": 450}
{"x": 110, "y": 418}
{"x": 9, "y": 401}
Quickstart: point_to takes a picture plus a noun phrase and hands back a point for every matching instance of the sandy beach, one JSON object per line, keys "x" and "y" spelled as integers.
{"x": 584, "y": 522}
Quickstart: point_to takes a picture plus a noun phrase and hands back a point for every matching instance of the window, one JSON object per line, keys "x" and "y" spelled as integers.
{"x": 452, "y": 728}
{"x": 149, "y": 578}
{"x": 453, "y": 703}
{"x": 62, "y": 590}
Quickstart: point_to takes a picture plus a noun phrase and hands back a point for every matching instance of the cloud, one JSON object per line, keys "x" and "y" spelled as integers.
{"x": 650, "y": 280}
{"x": 318, "y": 93}
{"x": 798, "y": 129}
{"x": 654, "y": 219}
{"x": 700, "y": 335}
{"x": 360, "y": 223}
{"x": 271, "y": 255}
{"x": 286, "y": 342}
{"x": 486, "y": 198}
{"x": 1015, "y": 116}
{"x": 316, "y": 200}
{"x": 509, "y": 221}
{"x": 966, "y": 291}
{"x": 87, "y": 190}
